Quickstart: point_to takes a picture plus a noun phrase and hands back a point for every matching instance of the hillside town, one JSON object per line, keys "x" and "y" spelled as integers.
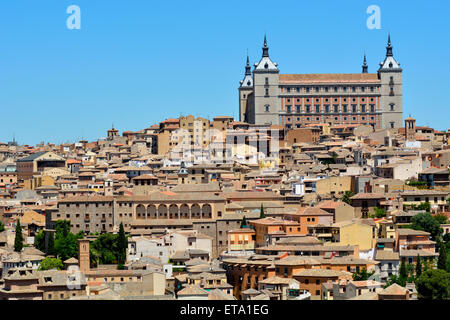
{"x": 319, "y": 191}
{"x": 226, "y": 210}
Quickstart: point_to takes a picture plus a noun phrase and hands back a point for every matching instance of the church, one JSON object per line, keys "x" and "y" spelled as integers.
{"x": 298, "y": 100}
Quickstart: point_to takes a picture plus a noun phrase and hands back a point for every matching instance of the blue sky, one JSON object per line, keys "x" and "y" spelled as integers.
{"x": 135, "y": 63}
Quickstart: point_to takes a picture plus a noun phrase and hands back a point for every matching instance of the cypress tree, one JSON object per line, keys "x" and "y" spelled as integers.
{"x": 122, "y": 244}
{"x": 18, "y": 240}
{"x": 418, "y": 266}
{"x": 243, "y": 222}
{"x": 442, "y": 260}
{"x": 51, "y": 244}
{"x": 262, "y": 215}
{"x": 403, "y": 273}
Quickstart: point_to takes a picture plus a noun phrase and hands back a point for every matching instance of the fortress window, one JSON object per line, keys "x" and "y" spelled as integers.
{"x": 363, "y": 89}
{"x": 344, "y": 108}
{"x": 353, "y": 107}
{"x": 372, "y": 89}
{"x": 288, "y": 109}
{"x": 336, "y": 108}
{"x": 298, "y": 89}
{"x": 317, "y": 89}
{"x": 327, "y": 108}
{"x": 267, "y": 80}
{"x": 344, "y": 89}
{"x": 372, "y": 108}
{"x": 307, "y": 89}
{"x": 363, "y": 108}
{"x": 326, "y": 89}
{"x": 335, "y": 89}
{"x": 267, "y": 91}
{"x": 288, "y": 89}
{"x": 267, "y": 108}
{"x": 298, "y": 109}
{"x": 392, "y": 106}
{"x": 354, "y": 89}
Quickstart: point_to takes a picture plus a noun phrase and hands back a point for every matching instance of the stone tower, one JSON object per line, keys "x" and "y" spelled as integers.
{"x": 109, "y": 187}
{"x": 391, "y": 100}
{"x": 410, "y": 129}
{"x": 266, "y": 106}
{"x": 83, "y": 255}
{"x": 245, "y": 93}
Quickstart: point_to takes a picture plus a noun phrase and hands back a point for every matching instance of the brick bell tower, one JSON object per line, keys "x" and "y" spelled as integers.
{"x": 410, "y": 129}
{"x": 83, "y": 255}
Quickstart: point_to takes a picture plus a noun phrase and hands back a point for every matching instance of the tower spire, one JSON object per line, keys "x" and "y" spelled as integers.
{"x": 365, "y": 67}
{"x": 389, "y": 47}
{"x": 248, "y": 67}
{"x": 265, "y": 47}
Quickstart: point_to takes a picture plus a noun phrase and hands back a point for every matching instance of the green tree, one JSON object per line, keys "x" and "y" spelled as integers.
{"x": 424, "y": 206}
{"x": 51, "y": 244}
{"x": 403, "y": 273}
{"x": 122, "y": 245}
{"x": 261, "y": 212}
{"x": 418, "y": 266}
{"x": 105, "y": 248}
{"x": 362, "y": 275}
{"x": 442, "y": 259}
{"x": 18, "y": 240}
{"x": 395, "y": 279}
{"x": 39, "y": 241}
{"x": 243, "y": 222}
{"x": 346, "y": 197}
{"x": 66, "y": 243}
{"x": 379, "y": 212}
{"x": 51, "y": 263}
{"x": 425, "y": 222}
{"x": 440, "y": 218}
{"x": 433, "y": 285}
{"x": 2, "y": 227}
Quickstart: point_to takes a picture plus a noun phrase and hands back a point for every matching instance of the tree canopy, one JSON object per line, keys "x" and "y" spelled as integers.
{"x": 426, "y": 222}
{"x": 66, "y": 243}
{"x": 51, "y": 263}
{"x": 346, "y": 197}
{"x": 261, "y": 212}
{"x": 18, "y": 240}
{"x": 362, "y": 275}
{"x": 2, "y": 227}
{"x": 433, "y": 285}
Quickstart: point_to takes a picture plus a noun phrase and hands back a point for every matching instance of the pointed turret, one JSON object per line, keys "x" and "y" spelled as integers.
{"x": 248, "y": 68}
{"x": 265, "y": 48}
{"x": 248, "y": 80}
{"x": 365, "y": 67}
{"x": 389, "y": 62}
{"x": 265, "y": 63}
{"x": 389, "y": 47}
